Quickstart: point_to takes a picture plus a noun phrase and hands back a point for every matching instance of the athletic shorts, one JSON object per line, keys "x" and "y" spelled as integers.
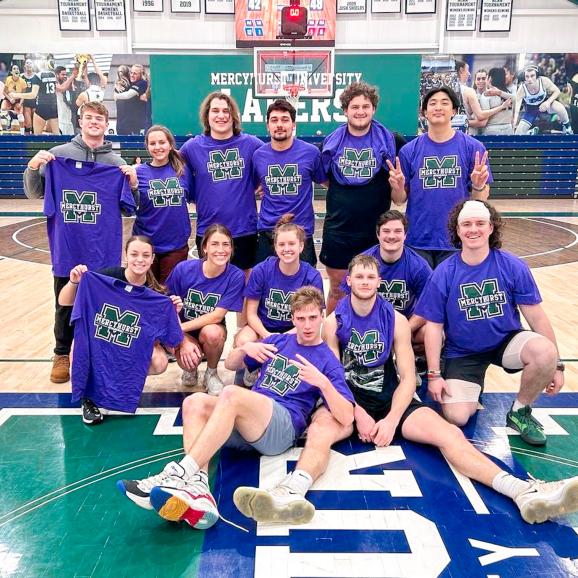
{"x": 47, "y": 111}
{"x": 465, "y": 375}
{"x": 278, "y": 436}
{"x": 413, "y": 405}
{"x": 164, "y": 263}
{"x": 434, "y": 256}
{"x": 338, "y": 250}
{"x": 195, "y": 333}
{"x": 245, "y": 251}
{"x": 266, "y": 249}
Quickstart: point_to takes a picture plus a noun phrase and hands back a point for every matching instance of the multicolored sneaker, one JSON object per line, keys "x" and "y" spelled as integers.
{"x": 213, "y": 383}
{"x": 279, "y": 504}
{"x": 139, "y": 490}
{"x": 548, "y": 500}
{"x": 531, "y": 430}
{"x": 189, "y": 378}
{"x": 192, "y": 503}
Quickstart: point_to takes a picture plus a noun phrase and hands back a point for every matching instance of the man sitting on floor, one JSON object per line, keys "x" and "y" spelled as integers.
{"x": 366, "y": 332}
{"x": 297, "y": 370}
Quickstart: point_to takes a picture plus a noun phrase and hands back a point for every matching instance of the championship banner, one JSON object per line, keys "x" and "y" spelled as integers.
{"x": 461, "y": 15}
{"x": 496, "y": 16}
{"x": 186, "y": 6}
{"x": 385, "y": 6}
{"x": 219, "y": 6}
{"x": 73, "y": 15}
{"x": 147, "y": 5}
{"x": 420, "y": 6}
{"x": 110, "y": 15}
{"x": 351, "y": 6}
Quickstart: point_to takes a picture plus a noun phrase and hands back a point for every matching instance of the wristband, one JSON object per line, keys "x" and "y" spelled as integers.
{"x": 479, "y": 190}
{"x": 73, "y": 282}
{"x": 30, "y": 168}
{"x": 433, "y": 374}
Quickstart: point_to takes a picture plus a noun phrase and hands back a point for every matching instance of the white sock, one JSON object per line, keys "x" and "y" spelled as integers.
{"x": 300, "y": 481}
{"x": 509, "y": 485}
{"x": 190, "y": 466}
{"x": 517, "y": 405}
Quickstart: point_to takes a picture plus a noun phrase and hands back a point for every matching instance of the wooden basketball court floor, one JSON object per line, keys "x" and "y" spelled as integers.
{"x": 399, "y": 511}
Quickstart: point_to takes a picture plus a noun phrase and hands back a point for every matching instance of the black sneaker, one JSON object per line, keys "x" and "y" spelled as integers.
{"x": 90, "y": 413}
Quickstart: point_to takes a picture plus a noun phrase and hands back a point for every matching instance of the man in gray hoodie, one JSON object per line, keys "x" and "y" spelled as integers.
{"x": 89, "y": 145}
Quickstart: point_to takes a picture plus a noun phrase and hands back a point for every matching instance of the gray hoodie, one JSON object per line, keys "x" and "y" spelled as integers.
{"x": 77, "y": 150}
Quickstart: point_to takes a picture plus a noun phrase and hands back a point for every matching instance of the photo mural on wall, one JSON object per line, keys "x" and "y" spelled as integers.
{"x": 42, "y": 93}
{"x": 507, "y": 94}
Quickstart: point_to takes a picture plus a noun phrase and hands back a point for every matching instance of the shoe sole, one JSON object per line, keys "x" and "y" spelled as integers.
{"x": 260, "y": 506}
{"x": 531, "y": 442}
{"x": 540, "y": 510}
{"x": 92, "y": 421}
{"x": 59, "y": 379}
{"x": 138, "y": 500}
{"x": 174, "y": 505}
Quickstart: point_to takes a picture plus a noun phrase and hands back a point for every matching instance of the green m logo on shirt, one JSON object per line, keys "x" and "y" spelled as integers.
{"x": 278, "y": 304}
{"x": 197, "y": 303}
{"x": 440, "y": 173}
{"x": 395, "y": 292}
{"x": 284, "y": 180}
{"x": 281, "y": 376}
{"x": 356, "y": 163}
{"x": 479, "y": 301}
{"x": 165, "y": 193}
{"x": 79, "y": 207}
{"x": 365, "y": 348}
{"x": 115, "y": 326}
{"x": 226, "y": 164}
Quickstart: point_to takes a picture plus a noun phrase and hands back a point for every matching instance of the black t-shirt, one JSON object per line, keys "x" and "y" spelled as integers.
{"x": 46, "y": 82}
{"x": 352, "y": 211}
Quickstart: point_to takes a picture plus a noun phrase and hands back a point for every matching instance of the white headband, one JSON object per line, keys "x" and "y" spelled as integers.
{"x": 474, "y": 209}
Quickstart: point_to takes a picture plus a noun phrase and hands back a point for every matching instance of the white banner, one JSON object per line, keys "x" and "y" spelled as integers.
{"x": 185, "y": 5}
{"x": 420, "y": 6}
{"x": 219, "y": 6}
{"x": 351, "y": 6}
{"x": 461, "y": 15}
{"x": 147, "y": 5}
{"x": 496, "y": 16}
{"x": 110, "y": 15}
{"x": 385, "y": 6}
{"x": 73, "y": 15}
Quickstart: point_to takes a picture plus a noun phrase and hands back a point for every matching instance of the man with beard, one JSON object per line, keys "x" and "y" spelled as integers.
{"x": 286, "y": 169}
{"x": 365, "y": 332}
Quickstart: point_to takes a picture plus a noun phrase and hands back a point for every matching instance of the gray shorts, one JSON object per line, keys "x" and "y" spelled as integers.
{"x": 277, "y": 437}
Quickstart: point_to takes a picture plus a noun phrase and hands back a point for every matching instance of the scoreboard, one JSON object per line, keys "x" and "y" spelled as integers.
{"x": 285, "y": 23}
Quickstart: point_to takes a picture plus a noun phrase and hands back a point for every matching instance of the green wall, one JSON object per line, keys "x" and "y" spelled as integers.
{"x": 179, "y": 84}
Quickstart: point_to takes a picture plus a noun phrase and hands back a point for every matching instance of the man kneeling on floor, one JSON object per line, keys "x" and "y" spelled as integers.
{"x": 296, "y": 370}
{"x": 365, "y": 332}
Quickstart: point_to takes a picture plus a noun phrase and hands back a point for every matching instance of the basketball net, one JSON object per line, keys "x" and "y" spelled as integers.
{"x": 291, "y": 93}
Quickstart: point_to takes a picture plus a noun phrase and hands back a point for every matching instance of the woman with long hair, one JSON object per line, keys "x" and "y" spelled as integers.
{"x": 165, "y": 189}
{"x": 139, "y": 259}
{"x": 209, "y": 287}
{"x": 272, "y": 283}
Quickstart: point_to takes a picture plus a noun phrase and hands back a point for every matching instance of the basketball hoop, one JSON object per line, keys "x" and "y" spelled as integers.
{"x": 291, "y": 93}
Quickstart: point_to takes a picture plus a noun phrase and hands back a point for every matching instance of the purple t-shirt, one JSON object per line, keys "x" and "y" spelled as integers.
{"x": 401, "y": 281}
{"x": 202, "y": 295}
{"x": 224, "y": 186}
{"x": 163, "y": 215}
{"x": 438, "y": 177}
{"x": 478, "y": 305}
{"x": 287, "y": 178}
{"x": 115, "y": 329}
{"x": 355, "y": 160}
{"x": 82, "y": 203}
{"x": 273, "y": 289}
{"x": 279, "y": 379}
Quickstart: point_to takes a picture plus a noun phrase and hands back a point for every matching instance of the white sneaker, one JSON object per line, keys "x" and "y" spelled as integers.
{"x": 189, "y": 378}
{"x": 250, "y": 377}
{"x": 213, "y": 383}
{"x": 139, "y": 490}
{"x": 191, "y": 502}
{"x": 279, "y": 504}
{"x": 547, "y": 500}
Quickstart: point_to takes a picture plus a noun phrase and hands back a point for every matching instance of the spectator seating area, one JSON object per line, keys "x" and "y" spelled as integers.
{"x": 543, "y": 166}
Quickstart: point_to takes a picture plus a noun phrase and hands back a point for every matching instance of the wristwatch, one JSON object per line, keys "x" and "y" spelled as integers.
{"x": 560, "y": 366}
